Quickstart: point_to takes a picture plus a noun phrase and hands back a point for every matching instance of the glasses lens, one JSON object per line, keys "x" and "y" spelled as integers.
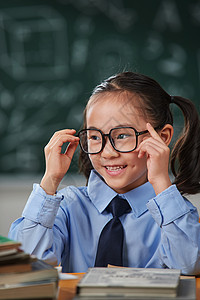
{"x": 90, "y": 140}
{"x": 124, "y": 139}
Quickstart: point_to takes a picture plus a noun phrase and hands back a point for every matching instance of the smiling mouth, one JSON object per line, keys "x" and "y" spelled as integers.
{"x": 115, "y": 168}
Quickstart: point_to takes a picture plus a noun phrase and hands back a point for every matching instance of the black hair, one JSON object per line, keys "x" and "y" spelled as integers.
{"x": 155, "y": 102}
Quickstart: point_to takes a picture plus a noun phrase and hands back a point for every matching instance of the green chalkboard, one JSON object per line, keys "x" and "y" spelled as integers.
{"x": 52, "y": 54}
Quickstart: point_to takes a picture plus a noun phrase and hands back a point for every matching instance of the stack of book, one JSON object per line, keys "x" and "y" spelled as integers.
{"x": 23, "y": 276}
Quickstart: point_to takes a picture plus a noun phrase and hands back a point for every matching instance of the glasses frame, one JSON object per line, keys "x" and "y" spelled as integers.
{"x": 104, "y": 135}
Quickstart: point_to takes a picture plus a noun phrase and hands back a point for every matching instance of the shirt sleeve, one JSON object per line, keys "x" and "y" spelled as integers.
{"x": 41, "y": 207}
{"x": 168, "y": 206}
{"x": 36, "y": 230}
{"x": 180, "y": 230}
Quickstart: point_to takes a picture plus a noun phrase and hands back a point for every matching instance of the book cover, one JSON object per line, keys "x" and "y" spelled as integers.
{"x": 36, "y": 290}
{"x": 12, "y": 258}
{"x": 6, "y": 243}
{"x": 129, "y": 282}
{"x": 186, "y": 291}
{"x": 40, "y": 271}
{"x": 15, "y": 268}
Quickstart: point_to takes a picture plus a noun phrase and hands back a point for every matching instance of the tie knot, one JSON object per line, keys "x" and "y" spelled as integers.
{"x": 118, "y": 206}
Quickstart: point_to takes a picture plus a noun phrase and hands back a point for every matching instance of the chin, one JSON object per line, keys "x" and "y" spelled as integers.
{"x": 118, "y": 188}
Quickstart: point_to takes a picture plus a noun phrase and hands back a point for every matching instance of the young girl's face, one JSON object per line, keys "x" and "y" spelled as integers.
{"x": 121, "y": 171}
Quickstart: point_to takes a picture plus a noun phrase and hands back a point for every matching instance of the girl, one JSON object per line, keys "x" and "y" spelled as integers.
{"x": 125, "y": 152}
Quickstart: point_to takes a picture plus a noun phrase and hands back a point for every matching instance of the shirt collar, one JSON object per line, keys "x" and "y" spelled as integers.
{"x": 138, "y": 198}
{"x": 101, "y": 194}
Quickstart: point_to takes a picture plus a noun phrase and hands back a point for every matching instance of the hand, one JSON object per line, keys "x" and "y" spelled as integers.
{"x": 157, "y": 155}
{"x": 57, "y": 163}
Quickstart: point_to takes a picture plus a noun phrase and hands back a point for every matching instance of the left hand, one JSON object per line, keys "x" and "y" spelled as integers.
{"x": 157, "y": 155}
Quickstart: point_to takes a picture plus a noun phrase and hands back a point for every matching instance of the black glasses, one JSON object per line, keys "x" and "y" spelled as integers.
{"x": 122, "y": 139}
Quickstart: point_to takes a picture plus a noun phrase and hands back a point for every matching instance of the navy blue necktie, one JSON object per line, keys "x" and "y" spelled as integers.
{"x": 110, "y": 246}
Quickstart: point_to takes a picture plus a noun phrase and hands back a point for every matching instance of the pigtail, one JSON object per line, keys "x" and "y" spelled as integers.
{"x": 185, "y": 156}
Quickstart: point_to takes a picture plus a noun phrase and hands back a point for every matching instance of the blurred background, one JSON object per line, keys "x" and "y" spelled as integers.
{"x": 52, "y": 55}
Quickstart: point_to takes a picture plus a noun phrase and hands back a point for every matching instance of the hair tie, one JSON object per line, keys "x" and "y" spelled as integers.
{"x": 172, "y": 99}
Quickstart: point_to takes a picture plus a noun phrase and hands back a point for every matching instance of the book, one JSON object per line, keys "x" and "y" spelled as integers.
{"x": 186, "y": 291}
{"x": 129, "y": 282}
{"x": 16, "y": 268}
{"x": 37, "y": 290}
{"x": 12, "y": 258}
{"x": 41, "y": 282}
{"x": 23, "y": 276}
{"x": 40, "y": 271}
{"x": 8, "y": 252}
{"x": 6, "y": 243}
{"x": 19, "y": 257}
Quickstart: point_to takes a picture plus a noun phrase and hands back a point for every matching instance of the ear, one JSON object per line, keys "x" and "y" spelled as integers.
{"x": 166, "y": 133}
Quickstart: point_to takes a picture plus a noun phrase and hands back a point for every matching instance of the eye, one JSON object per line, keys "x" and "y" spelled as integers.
{"x": 122, "y": 136}
{"x": 94, "y": 138}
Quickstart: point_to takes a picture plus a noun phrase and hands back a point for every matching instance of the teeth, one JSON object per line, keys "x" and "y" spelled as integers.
{"x": 114, "y": 168}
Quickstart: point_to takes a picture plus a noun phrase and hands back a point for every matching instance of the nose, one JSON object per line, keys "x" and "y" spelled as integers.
{"x": 108, "y": 150}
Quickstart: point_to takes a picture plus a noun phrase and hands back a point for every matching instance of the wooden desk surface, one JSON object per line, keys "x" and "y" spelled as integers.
{"x": 67, "y": 288}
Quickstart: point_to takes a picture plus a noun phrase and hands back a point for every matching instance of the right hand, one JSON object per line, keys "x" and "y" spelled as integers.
{"x": 57, "y": 164}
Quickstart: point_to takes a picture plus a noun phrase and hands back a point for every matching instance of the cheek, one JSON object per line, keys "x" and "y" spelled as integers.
{"x": 134, "y": 161}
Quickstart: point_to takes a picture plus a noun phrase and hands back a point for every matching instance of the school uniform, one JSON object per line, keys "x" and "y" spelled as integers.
{"x": 160, "y": 231}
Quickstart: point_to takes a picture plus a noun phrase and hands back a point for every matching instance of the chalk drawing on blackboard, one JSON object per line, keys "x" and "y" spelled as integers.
{"x": 168, "y": 17}
{"x": 115, "y": 10}
{"x": 175, "y": 64}
{"x": 83, "y": 29}
{"x": 80, "y": 53}
{"x": 113, "y": 56}
{"x": 153, "y": 46}
{"x": 33, "y": 43}
{"x": 33, "y": 95}
{"x": 6, "y": 98}
{"x": 195, "y": 13}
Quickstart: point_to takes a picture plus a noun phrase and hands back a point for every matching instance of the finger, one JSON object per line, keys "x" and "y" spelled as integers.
{"x": 70, "y": 131}
{"x": 153, "y": 132}
{"x": 65, "y": 139}
{"x": 71, "y": 149}
{"x": 152, "y": 141}
{"x": 58, "y": 142}
{"x": 149, "y": 152}
{"x": 151, "y": 147}
{"x": 60, "y": 133}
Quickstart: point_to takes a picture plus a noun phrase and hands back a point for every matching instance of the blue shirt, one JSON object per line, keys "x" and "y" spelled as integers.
{"x": 161, "y": 231}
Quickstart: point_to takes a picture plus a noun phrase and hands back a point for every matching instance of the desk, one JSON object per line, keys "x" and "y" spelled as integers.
{"x": 67, "y": 288}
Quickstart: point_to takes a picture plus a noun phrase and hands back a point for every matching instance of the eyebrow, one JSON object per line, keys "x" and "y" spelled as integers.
{"x": 119, "y": 125}
{"x": 92, "y": 127}
{"x": 125, "y": 125}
